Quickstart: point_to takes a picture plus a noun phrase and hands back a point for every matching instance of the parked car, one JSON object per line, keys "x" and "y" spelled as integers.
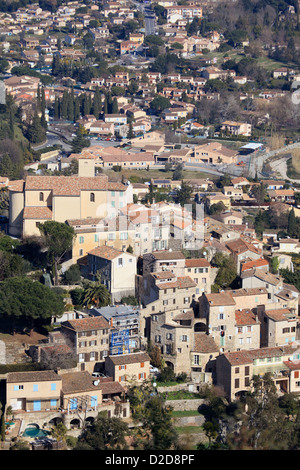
{"x": 98, "y": 374}
{"x": 153, "y": 370}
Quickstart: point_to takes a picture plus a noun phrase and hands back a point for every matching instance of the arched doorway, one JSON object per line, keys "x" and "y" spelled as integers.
{"x": 200, "y": 327}
{"x": 169, "y": 364}
{"x": 75, "y": 424}
{"x": 55, "y": 421}
{"x": 89, "y": 420}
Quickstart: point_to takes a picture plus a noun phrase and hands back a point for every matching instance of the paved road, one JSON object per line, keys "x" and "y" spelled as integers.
{"x": 150, "y": 23}
{"x": 149, "y": 18}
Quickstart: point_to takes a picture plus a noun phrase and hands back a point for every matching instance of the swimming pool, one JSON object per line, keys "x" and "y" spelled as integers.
{"x": 33, "y": 430}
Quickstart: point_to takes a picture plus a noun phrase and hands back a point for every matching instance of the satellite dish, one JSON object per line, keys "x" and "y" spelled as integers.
{"x": 96, "y": 382}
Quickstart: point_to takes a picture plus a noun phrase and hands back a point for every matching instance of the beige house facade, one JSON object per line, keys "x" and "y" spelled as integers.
{"x": 117, "y": 270}
{"x": 59, "y": 198}
{"x": 125, "y": 368}
{"x": 235, "y": 370}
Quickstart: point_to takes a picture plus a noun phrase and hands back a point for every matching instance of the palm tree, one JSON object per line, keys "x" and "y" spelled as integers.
{"x": 95, "y": 293}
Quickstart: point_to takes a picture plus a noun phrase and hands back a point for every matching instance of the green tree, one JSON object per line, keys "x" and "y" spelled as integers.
{"x": 58, "y": 238}
{"x": 292, "y": 225}
{"x": 184, "y": 194}
{"x": 29, "y": 302}
{"x": 72, "y": 275}
{"x": 264, "y": 424}
{"x": 36, "y": 133}
{"x": 227, "y": 272}
{"x": 80, "y": 141}
{"x": 104, "y": 434}
{"x": 95, "y": 293}
{"x": 274, "y": 264}
{"x": 159, "y": 103}
{"x": 130, "y": 133}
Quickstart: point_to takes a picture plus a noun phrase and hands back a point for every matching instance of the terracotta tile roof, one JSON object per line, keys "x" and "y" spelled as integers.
{"x": 183, "y": 282}
{"x": 106, "y": 252}
{"x": 245, "y": 317}
{"x": 247, "y": 357}
{"x": 187, "y": 315}
{"x": 139, "y": 157}
{"x": 280, "y": 314}
{"x": 250, "y": 291}
{"x": 86, "y": 324}
{"x": 70, "y": 185}
{"x": 166, "y": 255}
{"x": 163, "y": 275}
{"x": 292, "y": 365}
{"x": 256, "y": 263}
{"x": 268, "y": 277}
{"x": 17, "y": 185}
{"x": 220, "y": 298}
{"x": 32, "y": 376}
{"x": 84, "y": 222}
{"x": 281, "y": 192}
{"x": 79, "y": 382}
{"x": 197, "y": 263}
{"x": 37, "y": 213}
{"x": 132, "y": 358}
{"x": 241, "y": 246}
{"x": 204, "y": 344}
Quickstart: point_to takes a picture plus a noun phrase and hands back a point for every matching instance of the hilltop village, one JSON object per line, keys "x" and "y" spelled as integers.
{"x": 149, "y": 203}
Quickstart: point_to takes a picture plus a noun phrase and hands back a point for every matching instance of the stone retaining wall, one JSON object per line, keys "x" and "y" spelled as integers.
{"x": 185, "y": 405}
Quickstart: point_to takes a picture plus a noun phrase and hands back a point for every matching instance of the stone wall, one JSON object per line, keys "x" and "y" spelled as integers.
{"x": 185, "y": 405}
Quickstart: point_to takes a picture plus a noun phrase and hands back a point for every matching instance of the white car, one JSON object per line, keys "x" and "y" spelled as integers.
{"x": 153, "y": 370}
{"x": 97, "y": 374}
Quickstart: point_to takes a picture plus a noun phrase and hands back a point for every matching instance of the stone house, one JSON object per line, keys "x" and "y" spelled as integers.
{"x": 200, "y": 271}
{"x": 203, "y": 358}
{"x": 279, "y": 326}
{"x": 41, "y": 198}
{"x": 89, "y": 338}
{"x": 125, "y": 368}
{"x": 40, "y": 397}
{"x": 173, "y": 333}
{"x": 161, "y": 260}
{"x": 117, "y": 269}
{"x": 236, "y": 369}
{"x": 94, "y": 232}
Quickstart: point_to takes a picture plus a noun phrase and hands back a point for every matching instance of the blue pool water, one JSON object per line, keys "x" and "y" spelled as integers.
{"x": 34, "y": 431}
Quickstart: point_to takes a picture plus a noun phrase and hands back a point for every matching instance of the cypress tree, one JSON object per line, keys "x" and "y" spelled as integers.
{"x": 56, "y": 108}
{"x": 76, "y": 109}
{"x": 292, "y": 223}
{"x": 115, "y": 107}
